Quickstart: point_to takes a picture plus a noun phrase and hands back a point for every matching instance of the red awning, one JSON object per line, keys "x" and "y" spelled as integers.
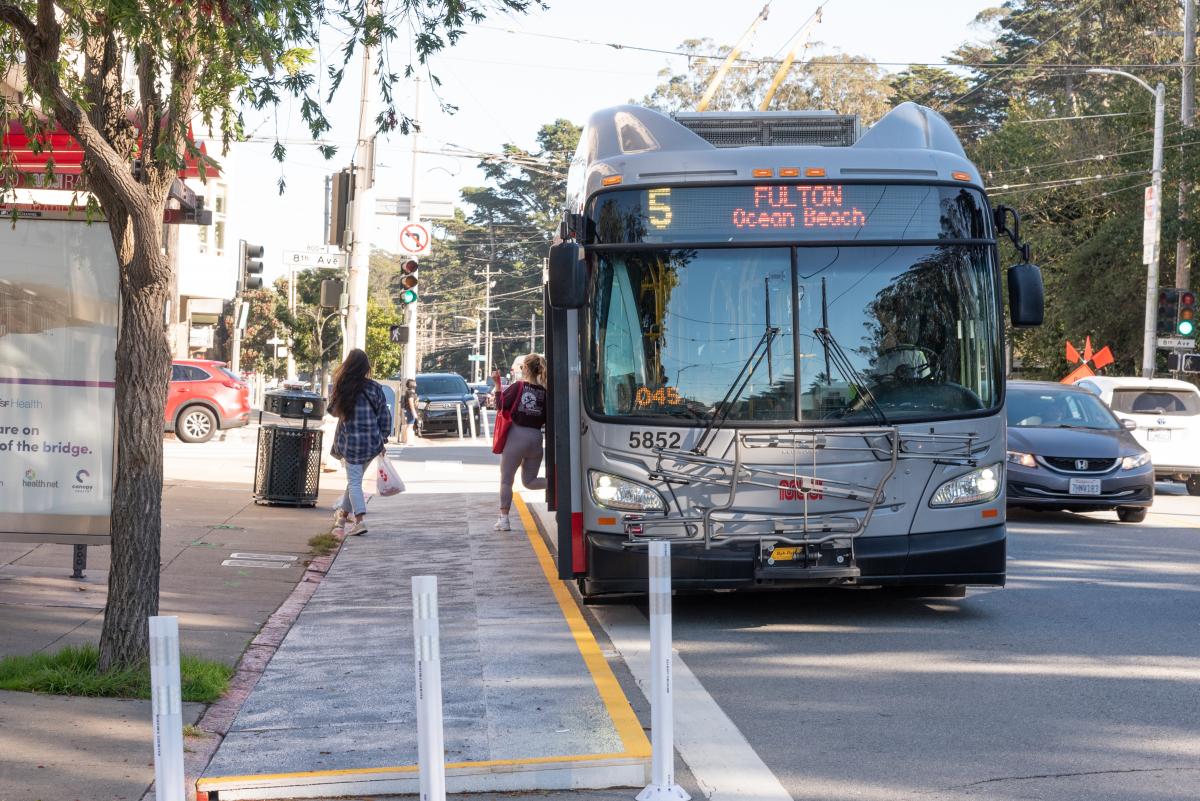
{"x": 67, "y": 154}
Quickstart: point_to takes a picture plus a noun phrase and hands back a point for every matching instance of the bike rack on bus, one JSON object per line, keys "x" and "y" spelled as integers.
{"x": 886, "y": 445}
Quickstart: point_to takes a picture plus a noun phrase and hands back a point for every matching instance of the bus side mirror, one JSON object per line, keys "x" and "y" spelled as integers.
{"x": 1026, "y": 297}
{"x": 567, "y": 276}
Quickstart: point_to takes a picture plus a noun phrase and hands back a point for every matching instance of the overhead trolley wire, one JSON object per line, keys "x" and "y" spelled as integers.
{"x": 757, "y": 62}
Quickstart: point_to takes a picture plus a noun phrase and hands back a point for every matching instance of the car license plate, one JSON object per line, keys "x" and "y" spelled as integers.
{"x": 1159, "y": 435}
{"x": 1085, "y": 486}
{"x": 785, "y": 554}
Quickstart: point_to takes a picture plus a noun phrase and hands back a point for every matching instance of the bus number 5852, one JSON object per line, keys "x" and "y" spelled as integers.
{"x": 654, "y": 439}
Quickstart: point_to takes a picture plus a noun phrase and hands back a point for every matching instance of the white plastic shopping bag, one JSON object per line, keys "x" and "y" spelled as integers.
{"x": 387, "y": 479}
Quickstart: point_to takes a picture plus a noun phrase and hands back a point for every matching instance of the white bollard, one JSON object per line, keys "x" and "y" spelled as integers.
{"x": 471, "y": 416}
{"x": 662, "y": 785}
{"x": 431, "y": 748}
{"x": 167, "y": 709}
{"x": 487, "y": 434}
{"x": 458, "y": 416}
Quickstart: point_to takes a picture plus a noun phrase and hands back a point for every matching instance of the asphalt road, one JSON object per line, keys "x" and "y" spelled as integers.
{"x": 1080, "y": 680}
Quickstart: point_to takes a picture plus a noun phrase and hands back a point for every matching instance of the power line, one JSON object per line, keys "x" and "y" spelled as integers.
{"x": 757, "y": 62}
{"x": 1097, "y": 157}
{"x": 1006, "y": 189}
{"x": 1052, "y": 119}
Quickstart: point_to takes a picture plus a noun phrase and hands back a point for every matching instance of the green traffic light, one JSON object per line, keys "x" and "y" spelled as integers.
{"x": 1185, "y": 328}
{"x": 408, "y": 296}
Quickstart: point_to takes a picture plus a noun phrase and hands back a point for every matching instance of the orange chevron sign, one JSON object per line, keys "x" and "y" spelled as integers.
{"x": 1088, "y": 361}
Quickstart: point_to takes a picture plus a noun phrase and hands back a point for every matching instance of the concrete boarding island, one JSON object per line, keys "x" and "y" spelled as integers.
{"x": 529, "y": 701}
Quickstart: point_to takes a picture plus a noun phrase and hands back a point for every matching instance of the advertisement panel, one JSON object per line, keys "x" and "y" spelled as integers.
{"x": 59, "y": 305}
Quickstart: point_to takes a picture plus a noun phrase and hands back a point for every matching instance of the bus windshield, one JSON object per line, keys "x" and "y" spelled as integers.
{"x": 912, "y": 327}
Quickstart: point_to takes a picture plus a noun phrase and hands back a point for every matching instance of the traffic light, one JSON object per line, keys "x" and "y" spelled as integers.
{"x": 1168, "y": 311}
{"x": 408, "y": 281}
{"x": 251, "y": 266}
{"x": 1186, "y": 322}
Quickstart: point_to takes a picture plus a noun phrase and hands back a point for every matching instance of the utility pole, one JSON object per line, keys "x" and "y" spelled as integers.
{"x": 474, "y": 362}
{"x": 487, "y": 317}
{"x": 1183, "y": 247}
{"x": 363, "y": 209}
{"x": 532, "y": 332}
{"x": 1149, "y": 333}
{"x": 291, "y": 356}
{"x": 433, "y": 333}
{"x": 411, "y": 363}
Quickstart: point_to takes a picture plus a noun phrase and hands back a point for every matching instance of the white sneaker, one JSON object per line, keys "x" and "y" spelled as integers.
{"x": 359, "y": 527}
{"x": 502, "y": 524}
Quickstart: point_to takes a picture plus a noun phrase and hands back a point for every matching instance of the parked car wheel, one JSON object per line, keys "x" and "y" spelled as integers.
{"x": 196, "y": 424}
{"x": 1193, "y": 484}
{"x": 1131, "y": 514}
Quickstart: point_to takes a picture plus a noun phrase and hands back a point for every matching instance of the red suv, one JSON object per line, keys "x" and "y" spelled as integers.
{"x": 205, "y": 397}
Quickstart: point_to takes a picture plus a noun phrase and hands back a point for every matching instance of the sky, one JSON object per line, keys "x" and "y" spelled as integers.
{"x": 514, "y": 73}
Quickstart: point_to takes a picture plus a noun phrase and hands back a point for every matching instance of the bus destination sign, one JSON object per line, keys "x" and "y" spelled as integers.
{"x": 816, "y": 206}
{"x": 800, "y": 212}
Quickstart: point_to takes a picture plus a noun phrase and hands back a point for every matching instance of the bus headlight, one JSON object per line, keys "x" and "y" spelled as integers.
{"x": 615, "y": 492}
{"x": 1134, "y": 462}
{"x": 977, "y": 486}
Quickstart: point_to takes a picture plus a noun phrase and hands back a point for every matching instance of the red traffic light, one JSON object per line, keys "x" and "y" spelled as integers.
{"x": 409, "y": 266}
{"x": 1187, "y": 299}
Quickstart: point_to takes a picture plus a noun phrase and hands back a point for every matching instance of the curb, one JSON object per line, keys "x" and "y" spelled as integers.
{"x": 219, "y": 715}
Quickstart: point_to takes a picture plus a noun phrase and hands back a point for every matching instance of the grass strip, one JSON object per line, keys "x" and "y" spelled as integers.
{"x": 74, "y": 670}
{"x": 323, "y": 544}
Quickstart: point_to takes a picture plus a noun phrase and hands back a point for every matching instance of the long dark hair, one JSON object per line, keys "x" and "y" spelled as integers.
{"x": 348, "y": 383}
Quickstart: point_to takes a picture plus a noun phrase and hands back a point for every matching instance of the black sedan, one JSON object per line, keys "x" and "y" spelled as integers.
{"x": 1066, "y": 450}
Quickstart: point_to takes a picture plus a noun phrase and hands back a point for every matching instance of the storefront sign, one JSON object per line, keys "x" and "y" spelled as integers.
{"x": 58, "y": 337}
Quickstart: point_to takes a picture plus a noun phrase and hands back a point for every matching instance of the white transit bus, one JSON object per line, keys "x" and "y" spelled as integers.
{"x": 779, "y": 343}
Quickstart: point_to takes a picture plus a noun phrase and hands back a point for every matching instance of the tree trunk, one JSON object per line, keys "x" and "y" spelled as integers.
{"x": 143, "y": 371}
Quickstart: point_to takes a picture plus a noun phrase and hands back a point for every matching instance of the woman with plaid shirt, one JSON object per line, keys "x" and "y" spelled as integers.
{"x": 364, "y": 423}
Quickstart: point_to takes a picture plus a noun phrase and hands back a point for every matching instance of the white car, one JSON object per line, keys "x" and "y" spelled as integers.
{"x": 1166, "y": 414}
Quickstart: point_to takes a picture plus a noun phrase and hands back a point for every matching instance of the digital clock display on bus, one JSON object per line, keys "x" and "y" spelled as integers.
{"x": 788, "y": 212}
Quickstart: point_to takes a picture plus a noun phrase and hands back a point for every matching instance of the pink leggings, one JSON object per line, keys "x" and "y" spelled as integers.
{"x": 522, "y": 448}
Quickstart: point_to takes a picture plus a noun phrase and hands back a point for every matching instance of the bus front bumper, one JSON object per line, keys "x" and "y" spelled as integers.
{"x": 973, "y": 556}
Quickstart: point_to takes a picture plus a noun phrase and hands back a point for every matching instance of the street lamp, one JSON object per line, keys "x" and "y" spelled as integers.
{"x": 474, "y": 362}
{"x": 1149, "y": 346}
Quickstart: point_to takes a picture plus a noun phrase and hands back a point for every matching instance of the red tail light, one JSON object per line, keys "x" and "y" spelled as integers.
{"x": 232, "y": 384}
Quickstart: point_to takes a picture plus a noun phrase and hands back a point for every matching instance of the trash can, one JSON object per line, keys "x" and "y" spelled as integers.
{"x": 287, "y": 465}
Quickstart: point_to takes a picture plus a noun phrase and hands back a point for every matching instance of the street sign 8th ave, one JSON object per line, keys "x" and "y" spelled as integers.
{"x": 304, "y": 258}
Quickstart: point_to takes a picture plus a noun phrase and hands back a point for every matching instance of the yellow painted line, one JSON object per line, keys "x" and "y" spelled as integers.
{"x": 629, "y": 729}
{"x": 207, "y": 783}
{"x": 633, "y": 737}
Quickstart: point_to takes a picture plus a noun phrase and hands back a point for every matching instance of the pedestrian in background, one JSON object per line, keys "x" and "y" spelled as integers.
{"x": 408, "y": 403}
{"x": 526, "y": 401}
{"x": 364, "y": 422}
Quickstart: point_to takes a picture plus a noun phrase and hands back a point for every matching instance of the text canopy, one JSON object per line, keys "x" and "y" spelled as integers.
{"x": 788, "y": 212}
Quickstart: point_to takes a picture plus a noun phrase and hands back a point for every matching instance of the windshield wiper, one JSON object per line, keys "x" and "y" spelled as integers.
{"x": 848, "y": 371}
{"x": 740, "y": 382}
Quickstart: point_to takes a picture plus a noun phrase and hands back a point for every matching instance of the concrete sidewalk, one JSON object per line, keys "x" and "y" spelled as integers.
{"x": 530, "y": 702}
{"x": 61, "y": 749}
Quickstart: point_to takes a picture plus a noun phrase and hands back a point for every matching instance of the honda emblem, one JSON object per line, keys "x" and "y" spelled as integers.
{"x": 1081, "y": 464}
